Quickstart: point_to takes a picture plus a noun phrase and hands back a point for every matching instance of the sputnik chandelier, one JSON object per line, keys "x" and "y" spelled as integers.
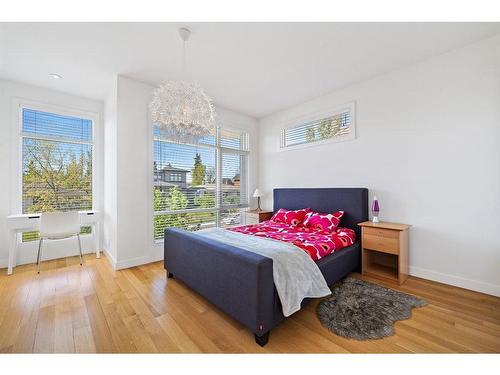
{"x": 182, "y": 108}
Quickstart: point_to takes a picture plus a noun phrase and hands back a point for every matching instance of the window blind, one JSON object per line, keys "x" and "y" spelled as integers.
{"x": 56, "y": 163}
{"x": 336, "y": 125}
{"x": 233, "y": 192}
{"x": 199, "y": 185}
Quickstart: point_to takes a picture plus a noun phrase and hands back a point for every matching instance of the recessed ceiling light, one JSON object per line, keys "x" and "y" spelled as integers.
{"x": 55, "y": 76}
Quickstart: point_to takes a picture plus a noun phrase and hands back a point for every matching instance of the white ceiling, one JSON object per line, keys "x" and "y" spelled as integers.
{"x": 254, "y": 68}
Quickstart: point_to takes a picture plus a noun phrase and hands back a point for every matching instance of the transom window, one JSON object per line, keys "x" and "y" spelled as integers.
{"x": 337, "y": 125}
{"x": 199, "y": 185}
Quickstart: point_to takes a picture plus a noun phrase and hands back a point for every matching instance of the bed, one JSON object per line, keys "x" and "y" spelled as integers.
{"x": 240, "y": 282}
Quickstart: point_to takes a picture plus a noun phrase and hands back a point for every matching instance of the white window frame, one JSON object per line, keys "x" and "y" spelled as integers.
{"x": 316, "y": 116}
{"x": 218, "y": 197}
{"x": 17, "y": 149}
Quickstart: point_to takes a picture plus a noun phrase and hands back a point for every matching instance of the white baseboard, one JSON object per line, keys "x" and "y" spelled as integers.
{"x": 111, "y": 259}
{"x": 26, "y": 252}
{"x": 475, "y": 285}
{"x": 157, "y": 258}
{"x": 118, "y": 265}
{"x": 4, "y": 262}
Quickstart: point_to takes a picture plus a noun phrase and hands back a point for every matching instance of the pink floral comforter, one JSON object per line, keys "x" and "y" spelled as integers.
{"x": 317, "y": 244}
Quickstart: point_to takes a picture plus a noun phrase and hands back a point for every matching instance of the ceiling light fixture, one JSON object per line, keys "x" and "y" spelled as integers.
{"x": 55, "y": 76}
{"x": 182, "y": 108}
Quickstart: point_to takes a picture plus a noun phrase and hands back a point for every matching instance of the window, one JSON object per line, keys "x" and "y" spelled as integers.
{"x": 56, "y": 163}
{"x": 175, "y": 177}
{"x": 337, "y": 125}
{"x": 199, "y": 185}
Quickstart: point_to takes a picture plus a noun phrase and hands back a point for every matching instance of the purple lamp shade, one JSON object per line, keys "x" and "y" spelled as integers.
{"x": 375, "y": 210}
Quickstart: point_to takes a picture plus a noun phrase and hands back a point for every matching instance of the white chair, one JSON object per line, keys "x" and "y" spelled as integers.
{"x": 57, "y": 226}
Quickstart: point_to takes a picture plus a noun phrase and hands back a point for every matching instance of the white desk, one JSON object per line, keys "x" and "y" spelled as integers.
{"x": 31, "y": 222}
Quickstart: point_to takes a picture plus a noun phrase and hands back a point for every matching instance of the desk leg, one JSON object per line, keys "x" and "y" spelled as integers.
{"x": 96, "y": 240}
{"x": 12, "y": 251}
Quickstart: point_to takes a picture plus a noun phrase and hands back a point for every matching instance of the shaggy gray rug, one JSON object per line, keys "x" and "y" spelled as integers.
{"x": 361, "y": 310}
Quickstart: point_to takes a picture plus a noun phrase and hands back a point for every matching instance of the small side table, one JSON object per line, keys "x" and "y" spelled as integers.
{"x": 256, "y": 216}
{"x": 384, "y": 252}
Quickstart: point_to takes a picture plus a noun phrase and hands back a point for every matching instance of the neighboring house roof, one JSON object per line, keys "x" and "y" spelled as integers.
{"x": 169, "y": 168}
{"x": 164, "y": 183}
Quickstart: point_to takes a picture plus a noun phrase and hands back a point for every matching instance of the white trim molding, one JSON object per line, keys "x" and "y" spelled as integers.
{"x": 17, "y": 106}
{"x": 133, "y": 262}
{"x": 461, "y": 282}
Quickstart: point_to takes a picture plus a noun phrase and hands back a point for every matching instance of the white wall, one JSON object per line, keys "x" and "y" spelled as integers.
{"x": 428, "y": 145}
{"x": 131, "y": 152}
{"x": 10, "y": 94}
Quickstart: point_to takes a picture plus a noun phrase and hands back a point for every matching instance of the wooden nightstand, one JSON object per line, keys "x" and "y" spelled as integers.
{"x": 255, "y": 216}
{"x": 384, "y": 250}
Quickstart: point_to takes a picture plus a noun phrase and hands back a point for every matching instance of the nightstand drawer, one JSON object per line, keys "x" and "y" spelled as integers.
{"x": 379, "y": 243}
{"x": 380, "y": 232}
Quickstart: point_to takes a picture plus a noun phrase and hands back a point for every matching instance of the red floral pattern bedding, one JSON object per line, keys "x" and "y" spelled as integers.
{"x": 317, "y": 244}
{"x": 290, "y": 217}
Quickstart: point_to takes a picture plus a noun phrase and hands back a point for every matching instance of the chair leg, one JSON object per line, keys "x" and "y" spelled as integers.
{"x": 38, "y": 257}
{"x": 80, "y": 248}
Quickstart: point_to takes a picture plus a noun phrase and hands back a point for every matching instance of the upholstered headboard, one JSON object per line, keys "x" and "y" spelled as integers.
{"x": 354, "y": 201}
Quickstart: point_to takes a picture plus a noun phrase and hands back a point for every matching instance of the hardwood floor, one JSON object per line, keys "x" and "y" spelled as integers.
{"x": 69, "y": 308}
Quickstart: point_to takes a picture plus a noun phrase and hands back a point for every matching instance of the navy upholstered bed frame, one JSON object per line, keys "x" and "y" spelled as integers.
{"x": 240, "y": 282}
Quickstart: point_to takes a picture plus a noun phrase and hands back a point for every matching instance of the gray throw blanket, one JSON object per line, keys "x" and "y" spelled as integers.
{"x": 296, "y": 275}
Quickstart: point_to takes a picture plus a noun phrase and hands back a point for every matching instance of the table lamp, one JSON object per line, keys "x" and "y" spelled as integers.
{"x": 257, "y": 194}
{"x": 375, "y": 209}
